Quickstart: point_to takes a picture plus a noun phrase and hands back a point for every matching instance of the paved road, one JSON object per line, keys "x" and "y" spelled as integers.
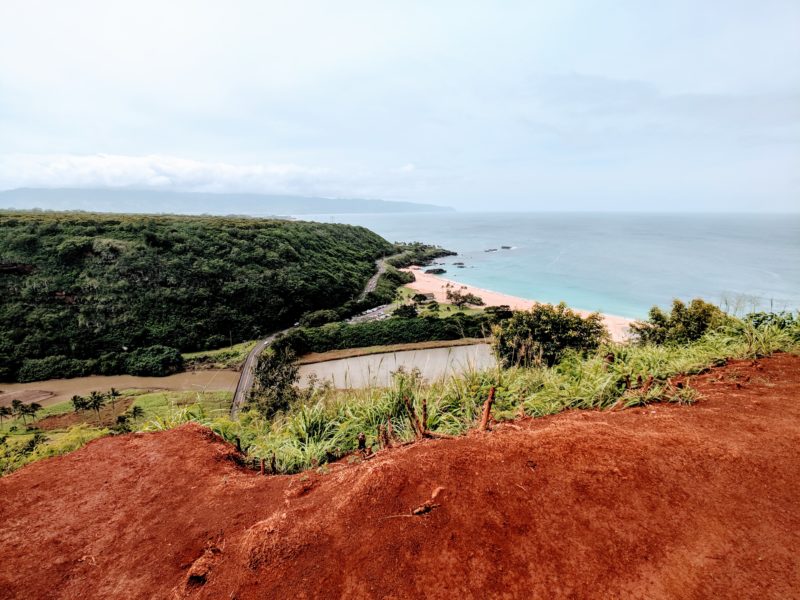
{"x": 248, "y": 374}
{"x": 247, "y": 377}
{"x": 373, "y": 281}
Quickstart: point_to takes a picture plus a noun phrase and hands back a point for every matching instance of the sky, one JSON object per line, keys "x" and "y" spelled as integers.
{"x": 558, "y": 105}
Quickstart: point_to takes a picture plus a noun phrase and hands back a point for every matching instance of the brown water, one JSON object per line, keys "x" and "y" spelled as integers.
{"x": 376, "y": 369}
{"x": 356, "y": 372}
{"x": 53, "y": 391}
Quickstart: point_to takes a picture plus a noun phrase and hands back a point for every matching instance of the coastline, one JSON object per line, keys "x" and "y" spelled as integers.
{"x": 425, "y": 283}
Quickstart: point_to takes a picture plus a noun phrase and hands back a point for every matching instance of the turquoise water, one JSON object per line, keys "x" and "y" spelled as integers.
{"x": 615, "y": 263}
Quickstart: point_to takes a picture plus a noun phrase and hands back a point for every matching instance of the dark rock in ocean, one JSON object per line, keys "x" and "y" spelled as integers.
{"x": 435, "y": 271}
{"x": 505, "y": 247}
{"x": 491, "y": 250}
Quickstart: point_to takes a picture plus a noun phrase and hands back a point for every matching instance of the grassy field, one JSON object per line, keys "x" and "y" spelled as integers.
{"x": 154, "y": 404}
{"x": 405, "y": 294}
{"x": 159, "y": 405}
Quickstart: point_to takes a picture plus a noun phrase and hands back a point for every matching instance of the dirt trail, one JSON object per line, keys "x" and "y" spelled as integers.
{"x": 659, "y": 502}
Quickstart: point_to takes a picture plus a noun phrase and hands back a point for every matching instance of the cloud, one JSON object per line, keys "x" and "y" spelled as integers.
{"x": 162, "y": 172}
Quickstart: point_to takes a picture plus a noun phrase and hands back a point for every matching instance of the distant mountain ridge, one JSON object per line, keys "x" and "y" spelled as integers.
{"x": 195, "y": 203}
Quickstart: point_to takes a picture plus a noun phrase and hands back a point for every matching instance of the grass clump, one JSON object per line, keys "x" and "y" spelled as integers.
{"x": 18, "y": 451}
{"x": 324, "y": 424}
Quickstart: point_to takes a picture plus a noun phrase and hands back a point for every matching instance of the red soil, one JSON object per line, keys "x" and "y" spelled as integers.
{"x": 108, "y": 416}
{"x": 663, "y": 502}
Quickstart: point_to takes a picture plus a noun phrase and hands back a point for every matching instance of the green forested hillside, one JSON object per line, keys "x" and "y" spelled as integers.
{"x": 86, "y": 293}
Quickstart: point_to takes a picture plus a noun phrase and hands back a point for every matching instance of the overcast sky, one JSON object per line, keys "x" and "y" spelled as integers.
{"x": 577, "y": 105}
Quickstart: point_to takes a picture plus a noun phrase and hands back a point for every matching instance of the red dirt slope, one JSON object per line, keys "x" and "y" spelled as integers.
{"x": 662, "y": 502}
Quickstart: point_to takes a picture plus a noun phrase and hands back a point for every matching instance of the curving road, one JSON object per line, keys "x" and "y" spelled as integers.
{"x": 247, "y": 377}
{"x": 248, "y": 373}
{"x": 373, "y": 281}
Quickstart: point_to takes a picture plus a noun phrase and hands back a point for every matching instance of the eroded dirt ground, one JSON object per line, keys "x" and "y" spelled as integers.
{"x": 693, "y": 501}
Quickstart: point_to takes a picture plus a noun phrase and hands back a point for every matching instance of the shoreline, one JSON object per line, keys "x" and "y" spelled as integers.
{"x": 426, "y": 283}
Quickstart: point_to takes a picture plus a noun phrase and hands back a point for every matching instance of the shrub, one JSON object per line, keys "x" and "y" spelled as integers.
{"x": 54, "y": 367}
{"x": 461, "y": 299}
{"x": 337, "y": 336}
{"x": 781, "y": 320}
{"x": 406, "y": 311}
{"x": 319, "y": 317}
{"x": 543, "y": 334}
{"x": 682, "y": 325}
{"x": 156, "y": 361}
{"x": 275, "y": 378}
{"x": 416, "y": 253}
{"x": 498, "y": 313}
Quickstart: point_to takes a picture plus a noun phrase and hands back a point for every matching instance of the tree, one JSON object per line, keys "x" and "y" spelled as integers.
{"x": 461, "y": 299}
{"x": 137, "y": 412}
{"x": 32, "y": 408}
{"x": 498, "y": 313}
{"x": 542, "y": 335}
{"x": 406, "y": 311}
{"x": 18, "y": 409}
{"x": 275, "y": 378}
{"x": 112, "y": 396}
{"x": 78, "y": 403}
{"x": 96, "y": 402}
{"x": 5, "y": 411}
{"x": 683, "y": 324}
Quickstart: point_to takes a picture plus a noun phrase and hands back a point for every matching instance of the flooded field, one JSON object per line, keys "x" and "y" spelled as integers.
{"x": 53, "y": 391}
{"x": 356, "y": 372}
{"x": 376, "y": 369}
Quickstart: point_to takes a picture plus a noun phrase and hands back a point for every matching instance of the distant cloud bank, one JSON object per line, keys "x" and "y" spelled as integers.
{"x": 163, "y": 173}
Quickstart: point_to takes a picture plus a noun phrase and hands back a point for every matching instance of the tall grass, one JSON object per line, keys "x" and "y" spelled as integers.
{"x": 326, "y": 423}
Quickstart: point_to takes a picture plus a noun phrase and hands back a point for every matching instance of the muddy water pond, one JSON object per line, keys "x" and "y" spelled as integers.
{"x": 356, "y": 372}
{"x": 53, "y": 391}
{"x": 376, "y": 370}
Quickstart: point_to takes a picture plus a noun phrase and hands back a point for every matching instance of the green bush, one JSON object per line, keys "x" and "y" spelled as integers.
{"x": 497, "y": 314}
{"x": 319, "y": 317}
{"x": 338, "y": 336}
{"x": 682, "y": 325}
{"x": 155, "y": 361}
{"x": 275, "y": 378}
{"x": 54, "y": 367}
{"x": 782, "y": 320}
{"x": 543, "y": 334}
{"x": 405, "y": 311}
{"x": 416, "y": 253}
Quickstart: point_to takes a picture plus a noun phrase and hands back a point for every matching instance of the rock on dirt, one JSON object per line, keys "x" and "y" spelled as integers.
{"x": 693, "y": 501}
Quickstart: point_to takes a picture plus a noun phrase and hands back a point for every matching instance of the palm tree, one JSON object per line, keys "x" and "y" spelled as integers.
{"x": 96, "y": 402}
{"x": 18, "y": 408}
{"x": 33, "y": 408}
{"x": 78, "y": 403}
{"x": 4, "y": 412}
{"x": 137, "y": 412}
{"x": 113, "y": 395}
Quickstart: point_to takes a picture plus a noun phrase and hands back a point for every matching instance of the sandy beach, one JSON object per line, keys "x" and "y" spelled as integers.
{"x": 433, "y": 284}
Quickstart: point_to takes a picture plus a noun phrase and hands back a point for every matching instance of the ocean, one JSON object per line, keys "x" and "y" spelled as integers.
{"x": 615, "y": 263}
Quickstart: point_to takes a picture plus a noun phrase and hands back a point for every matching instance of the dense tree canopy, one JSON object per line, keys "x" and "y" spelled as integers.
{"x": 86, "y": 293}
